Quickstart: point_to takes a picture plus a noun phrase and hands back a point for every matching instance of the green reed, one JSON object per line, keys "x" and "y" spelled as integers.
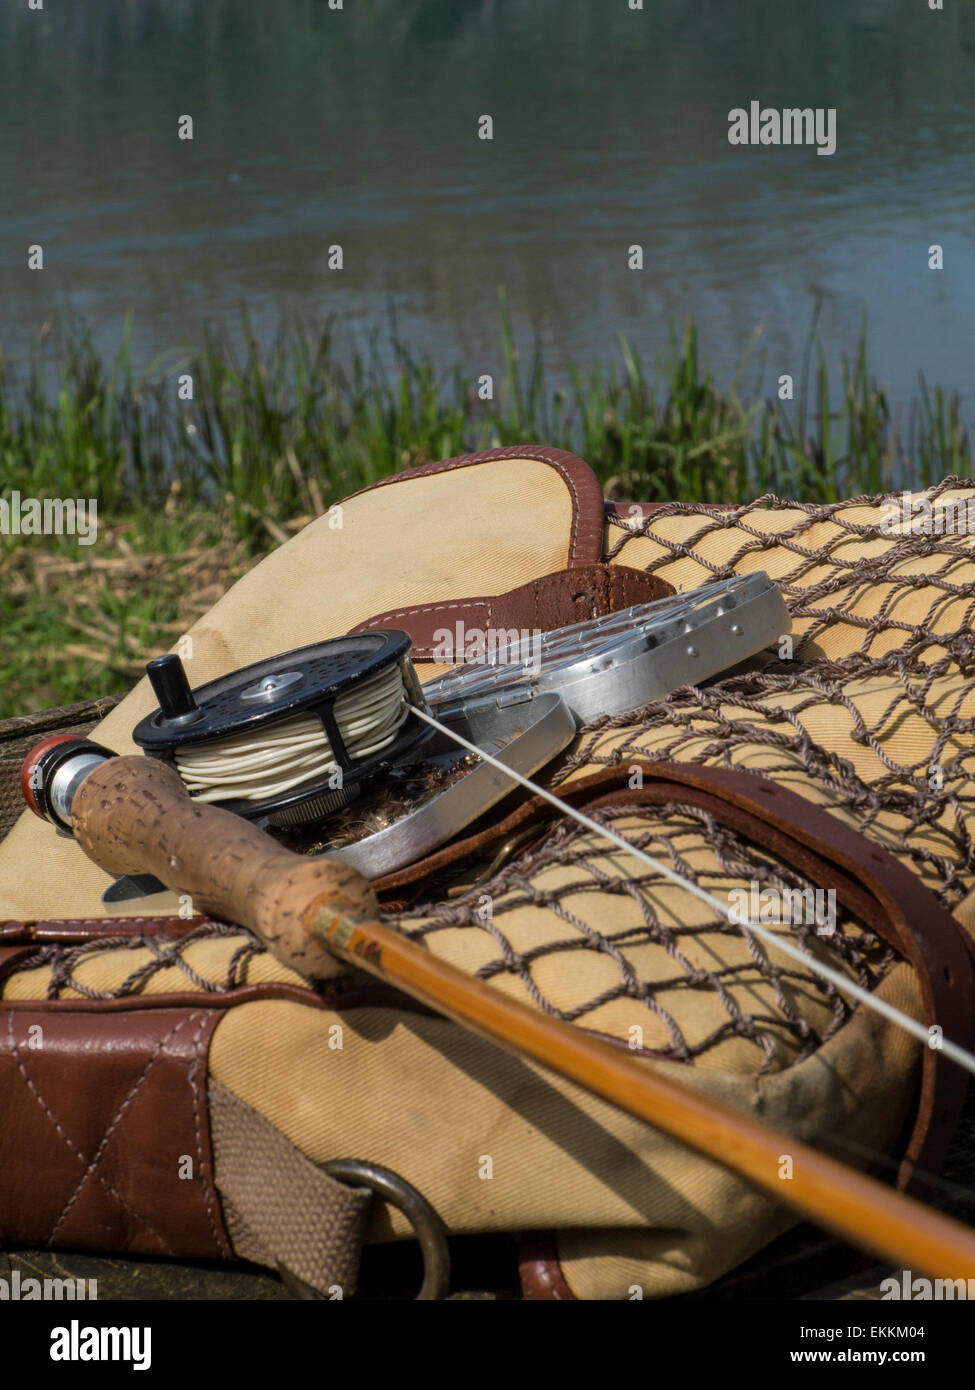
{"x": 279, "y": 430}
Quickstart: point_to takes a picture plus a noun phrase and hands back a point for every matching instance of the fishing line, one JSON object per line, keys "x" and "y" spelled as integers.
{"x": 294, "y": 751}
{"x": 293, "y": 737}
{"x": 267, "y": 741}
{"x": 918, "y": 1030}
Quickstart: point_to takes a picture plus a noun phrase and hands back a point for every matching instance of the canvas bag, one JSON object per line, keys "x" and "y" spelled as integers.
{"x": 233, "y": 1044}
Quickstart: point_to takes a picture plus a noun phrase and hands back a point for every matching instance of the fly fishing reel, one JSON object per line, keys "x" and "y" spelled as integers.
{"x": 292, "y": 738}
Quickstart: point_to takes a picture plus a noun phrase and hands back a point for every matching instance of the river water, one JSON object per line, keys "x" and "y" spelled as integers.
{"x": 315, "y": 127}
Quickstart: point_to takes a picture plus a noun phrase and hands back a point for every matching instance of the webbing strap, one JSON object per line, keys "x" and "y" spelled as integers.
{"x": 279, "y": 1207}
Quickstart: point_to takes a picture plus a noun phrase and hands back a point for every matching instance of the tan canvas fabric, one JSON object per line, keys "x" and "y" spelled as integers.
{"x": 434, "y": 1103}
{"x": 475, "y": 530}
{"x": 871, "y": 717}
{"x": 879, "y": 695}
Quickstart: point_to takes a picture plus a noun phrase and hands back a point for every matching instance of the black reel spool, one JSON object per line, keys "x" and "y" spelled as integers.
{"x": 261, "y": 696}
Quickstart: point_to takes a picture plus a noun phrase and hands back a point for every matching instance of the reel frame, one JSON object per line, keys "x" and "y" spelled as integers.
{"x": 255, "y": 698}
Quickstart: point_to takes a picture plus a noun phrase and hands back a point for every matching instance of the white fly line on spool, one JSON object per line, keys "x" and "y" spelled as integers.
{"x": 275, "y": 759}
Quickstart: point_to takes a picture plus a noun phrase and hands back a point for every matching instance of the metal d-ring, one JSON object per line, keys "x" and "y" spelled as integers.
{"x": 427, "y": 1225}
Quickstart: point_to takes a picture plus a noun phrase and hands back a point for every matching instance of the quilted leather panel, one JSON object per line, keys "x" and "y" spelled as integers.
{"x": 104, "y": 1134}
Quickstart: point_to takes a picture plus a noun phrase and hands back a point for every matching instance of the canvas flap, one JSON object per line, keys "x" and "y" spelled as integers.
{"x": 478, "y": 524}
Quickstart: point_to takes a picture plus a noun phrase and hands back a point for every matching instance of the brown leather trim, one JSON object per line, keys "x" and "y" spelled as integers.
{"x": 104, "y": 1133}
{"x": 10, "y": 957}
{"x": 586, "y": 537}
{"x": 542, "y": 605}
{"x": 539, "y": 1269}
{"x": 78, "y": 929}
{"x": 107, "y": 1098}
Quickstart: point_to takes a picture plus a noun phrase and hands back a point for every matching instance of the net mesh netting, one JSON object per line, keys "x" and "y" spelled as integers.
{"x": 867, "y": 710}
{"x": 874, "y": 711}
{"x": 655, "y": 958}
{"x": 141, "y": 958}
{"x": 869, "y": 713}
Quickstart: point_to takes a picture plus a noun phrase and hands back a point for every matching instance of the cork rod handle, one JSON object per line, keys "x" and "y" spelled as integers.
{"x": 133, "y": 815}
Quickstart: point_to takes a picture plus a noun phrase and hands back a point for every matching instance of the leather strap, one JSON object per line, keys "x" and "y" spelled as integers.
{"x": 628, "y": 510}
{"x": 69, "y": 930}
{"x": 868, "y": 881}
{"x": 542, "y": 605}
{"x": 539, "y": 1269}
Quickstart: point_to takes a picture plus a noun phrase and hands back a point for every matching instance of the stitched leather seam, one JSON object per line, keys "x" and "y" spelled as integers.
{"x": 199, "y": 1100}
{"x": 430, "y": 608}
{"x": 45, "y": 1108}
{"x": 113, "y": 1126}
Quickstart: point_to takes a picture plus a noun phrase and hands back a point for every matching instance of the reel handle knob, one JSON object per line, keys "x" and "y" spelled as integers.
{"x": 132, "y": 815}
{"x": 167, "y": 676}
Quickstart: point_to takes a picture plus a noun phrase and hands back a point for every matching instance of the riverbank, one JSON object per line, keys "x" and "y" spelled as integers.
{"x": 204, "y": 464}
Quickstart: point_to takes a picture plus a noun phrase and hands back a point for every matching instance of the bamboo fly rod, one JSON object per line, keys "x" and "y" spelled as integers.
{"x": 133, "y": 815}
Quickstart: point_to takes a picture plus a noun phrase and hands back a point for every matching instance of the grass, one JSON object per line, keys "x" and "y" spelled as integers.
{"x": 192, "y": 491}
